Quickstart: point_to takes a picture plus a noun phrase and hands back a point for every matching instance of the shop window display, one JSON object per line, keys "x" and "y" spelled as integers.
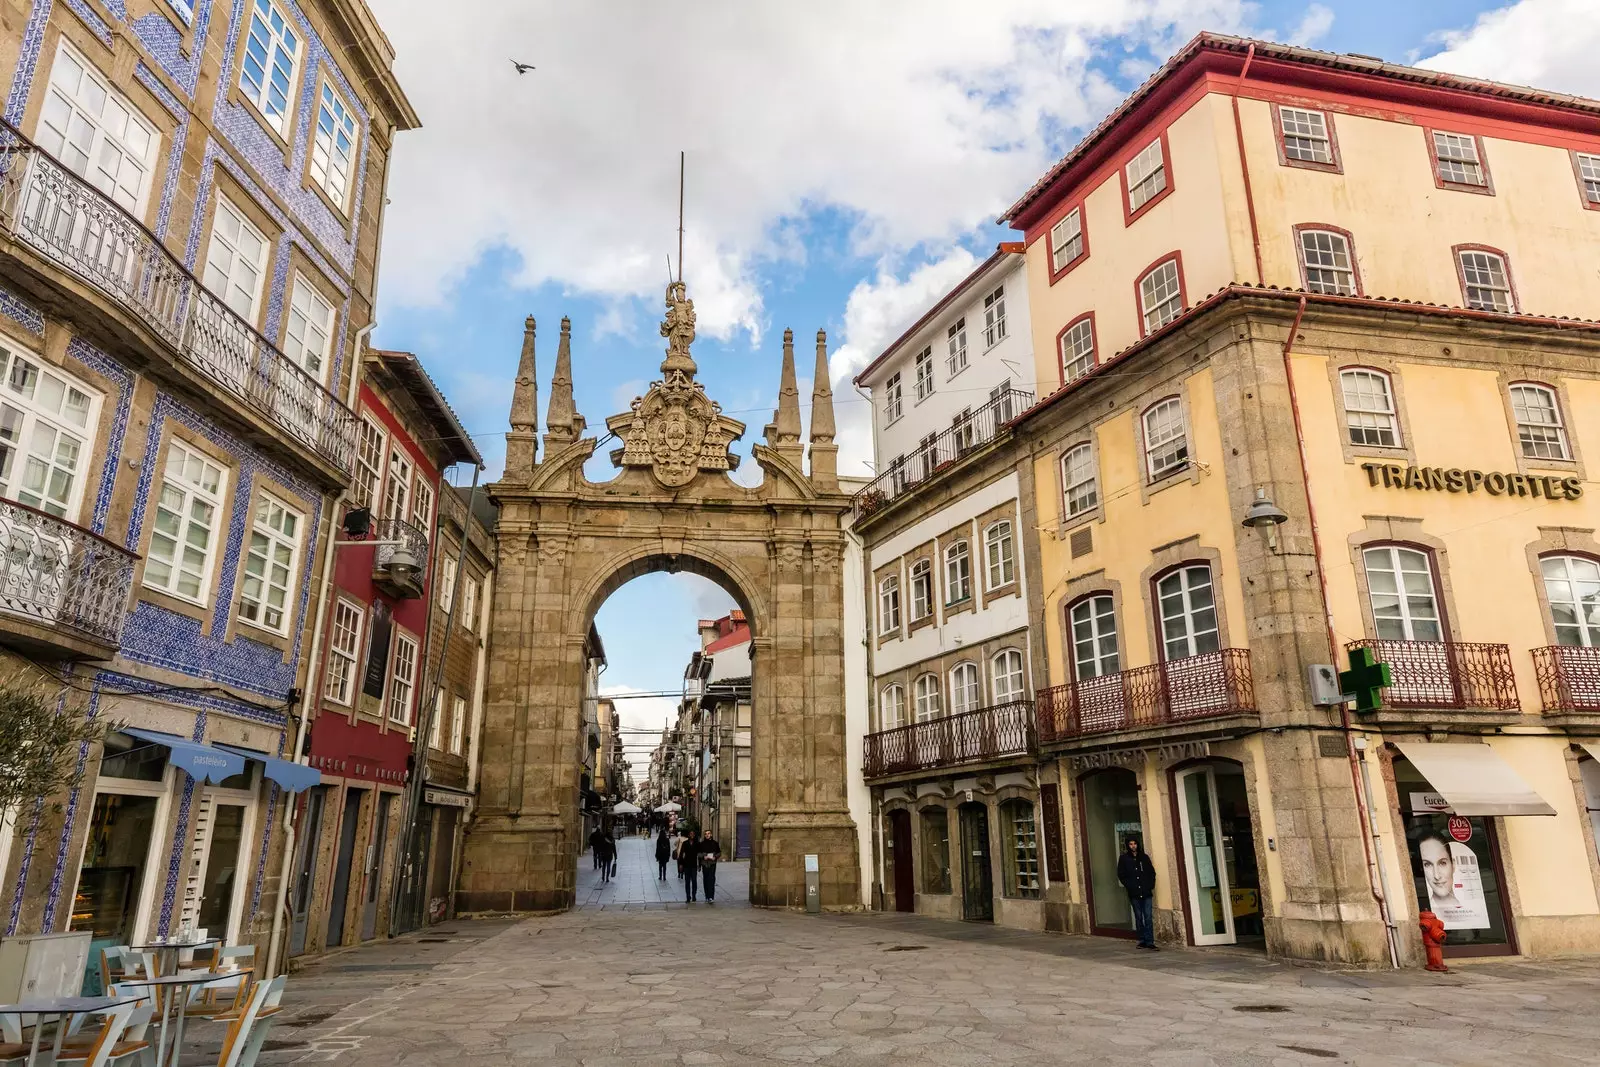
{"x": 1453, "y": 867}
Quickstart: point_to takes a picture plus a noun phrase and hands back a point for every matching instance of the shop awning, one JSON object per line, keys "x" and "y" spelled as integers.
{"x": 1474, "y": 780}
{"x": 1592, "y": 748}
{"x": 200, "y": 761}
{"x": 292, "y": 776}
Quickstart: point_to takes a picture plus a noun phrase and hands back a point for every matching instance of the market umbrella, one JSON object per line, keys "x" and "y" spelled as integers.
{"x": 670, "y": 806}
{"x": 625, "y": 808}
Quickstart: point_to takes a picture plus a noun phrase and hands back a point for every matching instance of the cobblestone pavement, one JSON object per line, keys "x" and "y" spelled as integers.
{"x": 673, "y": 984}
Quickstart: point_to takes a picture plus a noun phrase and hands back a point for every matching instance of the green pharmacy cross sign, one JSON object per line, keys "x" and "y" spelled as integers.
{"x": 1365, "y": 679}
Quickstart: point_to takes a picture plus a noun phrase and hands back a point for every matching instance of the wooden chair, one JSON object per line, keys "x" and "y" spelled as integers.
{"x": 112, "y": 967}
{"x": 12, "y": 1048}
{"x": 110, "y": 1045}
{"x": 224, "y": 995}
{"x": 266, "y": 1019}
{"x": 237, "y": 1040}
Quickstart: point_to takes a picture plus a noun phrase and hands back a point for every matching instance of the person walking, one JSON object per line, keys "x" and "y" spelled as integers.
{"x": 663, "y": 853}
{"x": 606, "y": 850}
{"x": 687, "y": 863}
{"x": 677, "y": 850}
{"x": 594, "y": 845}
{"x": 1138, "y": 876}
{"x": 709, "y": 852}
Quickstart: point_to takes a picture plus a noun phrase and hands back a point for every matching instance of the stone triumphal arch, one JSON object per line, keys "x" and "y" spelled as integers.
{"x": 567, "y": 543}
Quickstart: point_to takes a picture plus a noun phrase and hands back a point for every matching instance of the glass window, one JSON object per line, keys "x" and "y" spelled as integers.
{"x": 422, "y": 505}
{"x": 1589, "y": 175}
{"x": 998, "y": 549}
{"x": 333, "y": 147}
{"x": 925, "y": 373}
{"x": 926, "y": 693}
{"x": 309, "y": 331}
{"x": 889, "y": 606}
{"x": 186, "y": 523}
{"x": 994, "y": 317}
{"x": 116, "y": 854}
{"x": 271, "y": 59}
{"x": 965, "y": 693}
{"x": 1066, "y": 239}
{"x": 956, "y": 342}
{"x": 469, "y": 603}
{"x": 1078, "y": 480}
{"x": 1160, "y": 296}
{"x": 928, "y": 455}
{"x": 458, "y": 724}
{"x": 742, "y": 767}
{"x": 892, "y": 399}
{"x": 397, "y": 487}
{"x": 269, "y": 565}
{"x": 46, "y": 421}
{"x": 436, "y": 730}
{"x": 1539, "y": 428}
{"x": 344, "y": 643}
{"x": 957, "y": 573}
{"x": 447, "y": 580}
{"x": 1006, "y": 677}
{"x": 1021, "y": 845}
{"x": 237, "y": 261}
{"x": 1485, "y": 283}
{"x": 1457, "y": 157}
{"x": 403, "y": 676}
{"x": 1572, "y": 586}
{"x": 921, "y": 590}
{"x": 1305, "y": 135}
{"x": 966, "y": 431}
{"x": 1094, "y": 638}
{"x": 1188, "y": 613}
{"x": 1166, "y": 441}
{"x": 1077, "y": 351}
{"x": 1369, "y": 414}
{"x": 369, "y": 463}
{"x": 1452, "y": 866}
{"x": 892, "y": 709}
{"x": 935, "y": 850}
{"x": 122, "y": 756}
{"x": 95, "y": 132}
{"x": 1328, "y": 264}
{"x": 1146, "y": 175}
{"x": 1110, "y": 816}
{"x": 1400, "y": 589}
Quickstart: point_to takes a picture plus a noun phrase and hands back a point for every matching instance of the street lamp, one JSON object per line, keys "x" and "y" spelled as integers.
{"x": 1265, "y": 517}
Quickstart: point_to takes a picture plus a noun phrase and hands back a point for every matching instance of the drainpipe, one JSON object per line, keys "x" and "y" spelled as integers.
{"x": 1377, "y": 878}
{"x": 312, "y": 698}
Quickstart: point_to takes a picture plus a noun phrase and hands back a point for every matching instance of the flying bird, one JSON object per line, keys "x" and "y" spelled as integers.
{"x": 522, "y": 68}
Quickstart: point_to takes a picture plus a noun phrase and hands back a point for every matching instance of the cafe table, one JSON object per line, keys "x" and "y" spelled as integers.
{"x": 62, "y": 1009}
{"x": 167, "y": 951}
{"x": 167, "y": 989}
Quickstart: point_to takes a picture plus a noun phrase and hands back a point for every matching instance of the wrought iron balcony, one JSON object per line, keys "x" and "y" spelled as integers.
{"x": 1207, "y": 686}
{"x": 414, "y": 541}
{"x": 965, "y": 436}
{"x": 71, "y": 585}
{"x": 990, "y": 733}
{"x": 83, "y": 231}
{"x": 1446, "y": 675}
{"x": 1569, "y": 678}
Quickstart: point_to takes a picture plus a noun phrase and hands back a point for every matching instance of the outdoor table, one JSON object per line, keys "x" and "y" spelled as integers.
{"x": 167, "y": 951}
{"x": 175, "y": 987}
{"x": 63, "y": 1008}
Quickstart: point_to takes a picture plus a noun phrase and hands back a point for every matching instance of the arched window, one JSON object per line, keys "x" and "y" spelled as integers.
{"x": 1166, "y": 439}
{"x": 1094, "y": 638}
{"x": 1400, "y": 588}
{"x": 889, "y": 605}
{"x": 892, "y": 708}
{"x": 1369, "y": 415}
{"x": 921, "y": 590}
{"x": 1005, "y": 677}
{"x": 957, "y": 573}
{"x": 1000, "y": 554}
{"x": 1540, "y": 430}
{"x": 1188, "y": 612}
{"x": 1077, "y": 349}
{"x": 1572, "y": 587}
{"x": 1078, "y": 484}
{"x": 964, "y": 688}
{"x": 1020, "y": 847}
{"x": 1160, "y": 295}
{"x": 926, "y": 694}
{"x": 1485, "y": 281}
{"x": 1327, "y": 262}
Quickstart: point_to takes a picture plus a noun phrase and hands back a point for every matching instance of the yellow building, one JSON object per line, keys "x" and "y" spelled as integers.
{"x": 1369, "y": 438}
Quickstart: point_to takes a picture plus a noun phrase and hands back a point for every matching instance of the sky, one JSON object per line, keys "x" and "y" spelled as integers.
{"x": 845, "y": 163}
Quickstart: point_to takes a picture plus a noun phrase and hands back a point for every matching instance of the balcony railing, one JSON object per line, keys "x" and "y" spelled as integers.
{"x": 61, "y": 575}
{"x": 1446, "y": 674}
{"x": 964, "y": 436}
{"x": 1207, "y": 686}
{"x": 82, "y": 230}
{"x": 971, "y": 737}
{"x": 415, "y": 541}
{"x": 1569, "y": 678}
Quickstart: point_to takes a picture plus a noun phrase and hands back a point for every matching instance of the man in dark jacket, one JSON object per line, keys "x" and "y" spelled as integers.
{"x": 710, "y": 851}
{"x": 594, "y": 845}
{"x": 663, "y": 853}
{"x": 1138, "y": 876}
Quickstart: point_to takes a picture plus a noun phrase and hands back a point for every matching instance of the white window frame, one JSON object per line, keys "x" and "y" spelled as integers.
{"x": 402, "y": 677}
{"x": 1176, "y": 598}
{"x": 1092, "y": 624}
{"x": 332, "y": 166}
{"x": 1369, "y": 416}
{"x": 270, "y": 37}
{"x": 927, "y": 701}
{"x": 1146, "y": 175}
{"x": 957, "y": 573}
{"x": 1486, "y": 281}
{"x": 1569, "y": 596}
{"x": 344, "y": 677}
{"x": 448, "y": 567}
{"x": 1166, "y": 446}
{"x": 274, "y": 539}
{"x": 397, "y": 483}
{"x": 921, "y": 590}
{"x": 889, "y": 605}
{"x": 1006, "y": 667}
{"x": 1306, "y": 136}
{"x": 1403, "y": 620}
{"x": 1066, "y": 240}
{"x": 1076, "y": 348}
{"x": 956, "y": 343}
{"x": 190, "y": 491}
{"x": 436, "y": 728}
{"x": 1328, "y": 261}
{"x": 1542, "y": 432}
{"x": 1587, "y": 165}
{"x": 458, "y": 724}
{"x": 1161, "y": 295}
{"x": 28, "y": 416}
{"x": 372, "y": 450}
{"x": 994, "y": 317}
{"x": 469, "y": 604}
{"x": 892, "y": 707}
{"x": 999, "y": 555}
{"x": 163, "y": 791}
{"x": 99, "y": 112}
{"x": 225, "y": 281}
{"x": 422, "y": 504}
{"x": 1455, "y": 155}
{"x": 893, "y": 399}
{"x": 924, "y": 368}
{"x": 966, "y": 688}
{"x": 306, "y": 341}
{"x": 1080, "y": 491}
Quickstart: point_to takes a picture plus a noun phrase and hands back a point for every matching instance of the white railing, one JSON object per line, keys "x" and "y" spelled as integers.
{"x": 62, "y": 575}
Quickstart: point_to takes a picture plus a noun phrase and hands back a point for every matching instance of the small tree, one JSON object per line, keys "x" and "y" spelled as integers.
{"x": 40, "y": 738}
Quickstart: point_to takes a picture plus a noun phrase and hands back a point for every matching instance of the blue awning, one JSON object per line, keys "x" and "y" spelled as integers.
{"x": 292, "y": 776}
{"x": 199, "y": 761}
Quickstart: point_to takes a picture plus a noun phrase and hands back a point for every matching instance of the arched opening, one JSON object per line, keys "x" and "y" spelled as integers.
{"x": 1217, "y": 863}
{"x": 1108, "y": 817}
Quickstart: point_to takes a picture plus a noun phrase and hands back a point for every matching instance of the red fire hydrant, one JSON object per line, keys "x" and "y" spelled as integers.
{"x": 1433, "y": 936}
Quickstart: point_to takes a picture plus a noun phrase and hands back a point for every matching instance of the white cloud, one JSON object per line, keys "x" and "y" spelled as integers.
{"x": 915, "y": 120}
{"x": 1314, "y": 25}
{"x": 1548, "y": 43}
